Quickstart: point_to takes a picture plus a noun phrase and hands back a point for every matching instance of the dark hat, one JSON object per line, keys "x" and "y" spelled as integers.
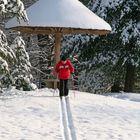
{"x": 63, "y": 58}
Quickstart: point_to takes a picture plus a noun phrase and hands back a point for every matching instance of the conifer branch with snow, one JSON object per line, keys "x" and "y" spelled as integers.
{"x": 14, "y": 7}
{"x": 21, "y": 72}
{"x": 7, "y": 55}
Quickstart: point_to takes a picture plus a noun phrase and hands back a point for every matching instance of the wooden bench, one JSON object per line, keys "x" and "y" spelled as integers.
{"x": 52, "y": 83}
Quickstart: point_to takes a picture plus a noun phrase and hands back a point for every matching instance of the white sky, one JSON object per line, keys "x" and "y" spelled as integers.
{"x": 38, "y": 115}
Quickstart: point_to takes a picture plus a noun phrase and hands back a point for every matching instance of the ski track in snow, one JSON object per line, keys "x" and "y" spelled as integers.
{"x": 66, "y": 120}
{"x": 65, "y": 131}
{"x": 70, "y": 120}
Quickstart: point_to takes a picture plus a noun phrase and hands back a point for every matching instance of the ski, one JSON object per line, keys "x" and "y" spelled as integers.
{"x": 67, "y": 120}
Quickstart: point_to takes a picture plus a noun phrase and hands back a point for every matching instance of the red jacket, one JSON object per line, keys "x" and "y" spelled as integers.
{"x": 64, "y": 70}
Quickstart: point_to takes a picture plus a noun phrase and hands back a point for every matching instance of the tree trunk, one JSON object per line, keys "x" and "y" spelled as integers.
{"x": 129, "y": 78}
{"x": 116, "y": 87}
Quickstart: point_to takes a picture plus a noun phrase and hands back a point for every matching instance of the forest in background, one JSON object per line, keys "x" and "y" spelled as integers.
{"x": 102, "y": 63}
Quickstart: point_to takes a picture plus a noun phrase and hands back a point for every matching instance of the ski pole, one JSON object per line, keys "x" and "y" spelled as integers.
{"x": 73, "y": 86}
{"x": 63, "y": 88}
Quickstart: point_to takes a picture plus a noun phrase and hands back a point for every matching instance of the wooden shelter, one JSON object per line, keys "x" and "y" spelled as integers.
{"x": 60, "y": 17}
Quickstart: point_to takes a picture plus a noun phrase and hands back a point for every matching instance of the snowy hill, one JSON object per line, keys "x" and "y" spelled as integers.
{"x": 40, "y": 115}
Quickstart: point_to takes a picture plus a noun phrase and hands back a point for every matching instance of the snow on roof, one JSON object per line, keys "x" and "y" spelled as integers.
{"x": 61, "y": 13}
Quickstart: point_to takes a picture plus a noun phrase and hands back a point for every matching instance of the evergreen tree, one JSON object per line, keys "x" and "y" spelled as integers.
{"x": 21, "y": 70}
{"x": 41, "y": 51}
{"x": 13, "y": 8}
{"x": 7, "y": 56}
{"x": 46, "y": 58}
{"x": 85, "y": 2}
{"x": 120, "y": 50}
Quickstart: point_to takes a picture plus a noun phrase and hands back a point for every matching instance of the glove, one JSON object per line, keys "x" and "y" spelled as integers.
{"x": 61, "y": 67}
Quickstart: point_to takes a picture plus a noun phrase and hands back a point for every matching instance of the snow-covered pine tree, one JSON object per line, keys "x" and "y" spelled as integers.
{"x": 13, "y": 8}
{"x": 120, "y": 50}
{"x": 21, "y": 71}
{"x": 46, "y": 58}
{"x": 127, "y": 32}
{"x": 7, "y": 57}
{"x": 85, "y": 2}
{"x": 41, "y": 51}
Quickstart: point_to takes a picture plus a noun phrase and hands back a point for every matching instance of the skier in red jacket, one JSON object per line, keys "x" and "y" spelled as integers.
{"x": 63, "y": 69}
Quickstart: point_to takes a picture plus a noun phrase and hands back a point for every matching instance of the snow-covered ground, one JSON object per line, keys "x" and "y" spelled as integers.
{"x": 40, "y": 115}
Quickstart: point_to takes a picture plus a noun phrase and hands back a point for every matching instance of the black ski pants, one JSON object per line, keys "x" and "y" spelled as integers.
{"x": 63, "y": 88}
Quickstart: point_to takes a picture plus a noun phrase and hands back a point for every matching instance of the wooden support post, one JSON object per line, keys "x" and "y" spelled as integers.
{"x": 57, "y": 52}
{"x": 57, "y": 47}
